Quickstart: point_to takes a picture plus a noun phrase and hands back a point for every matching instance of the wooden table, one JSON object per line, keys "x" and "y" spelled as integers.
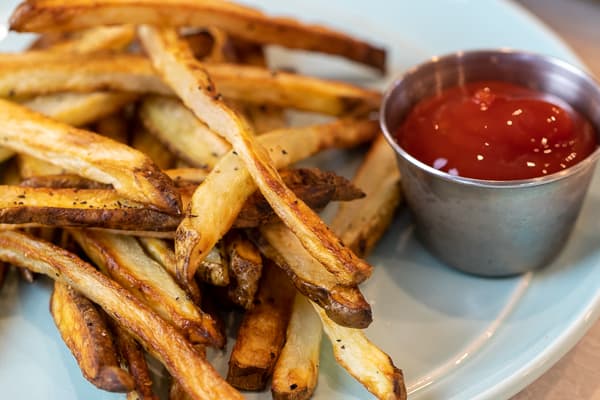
{"x": 577, "y": 375}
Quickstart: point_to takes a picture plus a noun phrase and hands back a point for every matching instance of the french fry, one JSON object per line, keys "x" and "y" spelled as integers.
{"x": 363, "y": 360}
{"x": 79, "y": 207}
{"x": 124, "y": 260}
{"x": 244, "y": 22}
{"x": 30, "y": 167}
{"x": 181, "y": 132}
{"x": 360, "y": 224}
{"x": 95, "y": 39}
{"x": 148, "y": 144}
{"x": 163, "y": 253}
{"x": 85, "y": 332}
{"x": 37, "y": 73}
{"x": 245, "y": 268}
{"x": 133, "y": 355}
{"x": 297, "y": 368}
{"x": 63, "y": 181}
{"x": 84, "y": 153}
{"x": 342, "y": 303}
{"x": 217, "y": 202}
{"x": 79, "y": 109}
{"x": 262, "y": 332}
{"x": 161, "y": 339}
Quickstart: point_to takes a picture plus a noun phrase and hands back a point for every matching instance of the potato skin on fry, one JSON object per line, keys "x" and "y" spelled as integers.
{"x": 262, "y": 332}
{"x": 85, "y": 332}
{"x": 241, "y": 21}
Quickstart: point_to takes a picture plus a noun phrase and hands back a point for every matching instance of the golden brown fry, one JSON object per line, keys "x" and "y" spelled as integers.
{"x": 244, "y": 22}
{"x": 181, "y": 132}
{"x": 214, "y": 268}
{"x": 162, "y": 252}
{"x": 217, "y": 202}
{"x": 85, "y": 332}
{"x": 96, "y": 39}
{"x": 114, "y": 126}
{"x": 360, "y": 224}
{"x": 245, "y": 268}
{"x": 363, "y": 360}
{"x": 79, "y": 109}
{"x": 148, "y": 144}
{"x": 124, "y": 260}
{"x": 135, "y": 359}
{"x": 30, "y": 167}
{"x": 84, "y": 153}
{"x": 63, "y": 181}
{"x": 262, "y": 332}
{"x": 344, "y": 304}
{"x": 79, "y": 207}
{"x": 43, "y": 72}
{"x": 314, "y": 187}
{"x": 265, "y": 118}
{"x": 297, "y": 369}
{"x": 161, "y": 339}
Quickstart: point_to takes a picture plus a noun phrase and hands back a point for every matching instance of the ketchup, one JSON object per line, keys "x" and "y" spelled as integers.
{"x": 496, "y": 131}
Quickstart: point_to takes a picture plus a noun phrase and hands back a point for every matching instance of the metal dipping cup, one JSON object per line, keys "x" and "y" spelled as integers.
{"x": 485, "y": 227}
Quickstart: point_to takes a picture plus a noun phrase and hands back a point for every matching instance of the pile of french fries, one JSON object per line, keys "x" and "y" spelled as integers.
{"x": 148, "y": 170}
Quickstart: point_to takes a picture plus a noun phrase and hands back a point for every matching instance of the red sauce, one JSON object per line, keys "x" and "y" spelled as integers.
{"x": 496, "y": 131}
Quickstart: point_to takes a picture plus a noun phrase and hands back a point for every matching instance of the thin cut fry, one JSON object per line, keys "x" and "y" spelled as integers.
{"x": 85, "y": 332}
{"x": 161, "y": 339}
{"x": 360, "y": 224}
{"x": 135, "y": 360}
{"x": 163, "y": 253}
{"x": 245, "y": 267}
{"x": 84, "y": 153}
{"x": 363, "y": 360}
{"x": 123, "y": 259}
{"x": 244, "y": 22}
{"x": 343, "y": 304}
{"x": 43, "y": 72}
{"x": 297, "y": 369}
{"x": 95, "y": 39}
{"x": 217, "y": 202}
{"x": 262, "y": 332}
{"x": 181, "y": 132}
{"x": 79, "y": 207}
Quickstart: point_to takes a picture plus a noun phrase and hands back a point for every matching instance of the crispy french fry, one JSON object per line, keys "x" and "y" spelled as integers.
{"x": 217, "y": 202}
{"x": 63, "y": 181}
{"x": 85, "y": 332}
{"x": 245, "y": 268}
{"x": 44, "y": 72}
{"x": 262, "y": 332}
{"x": 297, "y": 369}
{"x": 360, "y": 224}
{"x": 161, "y": 339}
{"x": 124, "y": 260}
{"x": 135, "y": 359}
{"x": 96, "y": 39}
{"x": 163, "y": 253}
{"x": 363, "y": 360}
{"x": 79, "y": 109}
{"x": 148, "y": 144}
{"x": 181, "y": 132}
{"x": 84, "y": 153}
{"x": 344, "y": 304}
{"x": 244, "y": 22}
{"x": 79, "y": 207}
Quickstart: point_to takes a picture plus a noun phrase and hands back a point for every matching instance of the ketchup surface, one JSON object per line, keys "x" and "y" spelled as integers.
{"x": 497, "y": 131}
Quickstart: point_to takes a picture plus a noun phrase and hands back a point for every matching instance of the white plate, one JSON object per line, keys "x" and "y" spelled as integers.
{"x": 455, "y": 336}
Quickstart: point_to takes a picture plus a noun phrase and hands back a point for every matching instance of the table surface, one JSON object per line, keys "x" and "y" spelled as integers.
{"x": 577, "y": 375}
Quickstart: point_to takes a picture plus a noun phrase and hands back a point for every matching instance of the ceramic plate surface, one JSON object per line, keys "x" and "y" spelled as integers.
{"x": 455, "y": 336}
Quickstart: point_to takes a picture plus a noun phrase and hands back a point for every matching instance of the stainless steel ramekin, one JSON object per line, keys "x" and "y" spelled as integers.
{"x": 484, "y": 227}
